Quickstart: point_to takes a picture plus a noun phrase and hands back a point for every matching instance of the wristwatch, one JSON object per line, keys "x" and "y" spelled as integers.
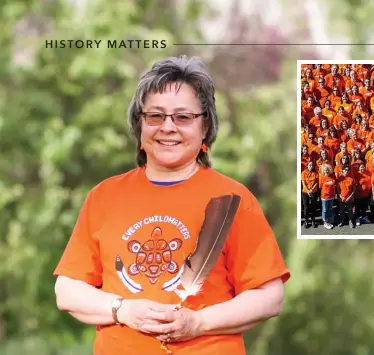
{"x": 116, "y": 304}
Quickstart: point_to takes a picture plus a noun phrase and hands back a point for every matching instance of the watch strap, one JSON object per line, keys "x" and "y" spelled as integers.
{"x": 115, "y": 310}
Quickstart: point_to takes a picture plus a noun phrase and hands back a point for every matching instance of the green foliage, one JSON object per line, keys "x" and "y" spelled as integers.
{"x": 63, "y": 130}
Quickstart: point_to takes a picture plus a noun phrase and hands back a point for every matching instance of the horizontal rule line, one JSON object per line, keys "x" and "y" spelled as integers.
{"x": 273, "y": 44}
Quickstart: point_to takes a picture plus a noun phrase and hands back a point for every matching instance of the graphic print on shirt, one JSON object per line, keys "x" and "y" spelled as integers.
{"x": 152, "y": 258}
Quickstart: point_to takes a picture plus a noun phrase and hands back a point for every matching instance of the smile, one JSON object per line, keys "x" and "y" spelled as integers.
{"x": 168, "y": 143}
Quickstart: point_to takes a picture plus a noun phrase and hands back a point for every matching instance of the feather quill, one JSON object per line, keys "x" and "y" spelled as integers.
{"x": 219, "y": 217}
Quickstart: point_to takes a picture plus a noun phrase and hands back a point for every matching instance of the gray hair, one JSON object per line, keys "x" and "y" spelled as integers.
{"x": 176, "y": 70}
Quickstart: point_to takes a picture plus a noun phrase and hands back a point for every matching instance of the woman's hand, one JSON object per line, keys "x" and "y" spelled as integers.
{"x": 138, "y": 313}
{"x": 186, "y": 325}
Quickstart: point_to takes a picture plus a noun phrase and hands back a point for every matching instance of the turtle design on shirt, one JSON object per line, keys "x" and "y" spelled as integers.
{"x": 153, "y": 258}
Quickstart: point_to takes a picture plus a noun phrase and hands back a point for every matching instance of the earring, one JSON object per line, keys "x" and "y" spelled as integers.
{"x": 204, "y": 148}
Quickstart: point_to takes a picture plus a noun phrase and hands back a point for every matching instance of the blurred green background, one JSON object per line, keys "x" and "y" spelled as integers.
{"x": 63, "y": 130}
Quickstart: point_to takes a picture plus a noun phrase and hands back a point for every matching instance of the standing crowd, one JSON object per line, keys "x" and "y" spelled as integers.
{"x": 337, "y": 144}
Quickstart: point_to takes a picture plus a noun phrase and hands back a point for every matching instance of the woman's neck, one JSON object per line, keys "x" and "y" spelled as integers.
{"x": 157, "y": 173}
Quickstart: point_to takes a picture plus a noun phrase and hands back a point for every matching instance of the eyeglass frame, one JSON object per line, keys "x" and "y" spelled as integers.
{"x": 194, "y": 116}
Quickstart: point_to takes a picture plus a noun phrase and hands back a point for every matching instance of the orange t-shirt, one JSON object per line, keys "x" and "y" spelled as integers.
{"x": 363, "y": 184}
{"x": 333, "y": 144}
{"x": 327, "y": 191}
{"x": 133, "y": 236}
{"x": 356, "y": 144}
{"x": 345, "y": 185}
{"x": 310, "y": 179}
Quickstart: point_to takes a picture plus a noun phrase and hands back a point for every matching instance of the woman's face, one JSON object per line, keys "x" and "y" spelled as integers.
{"x": 358, "y": 105}
{"x": 305, "y": 150}
{"x": 364, "y": 125}
{"x": 167, "y": 145}
{"x": 310, "y": 101}
{"x": 341, "y": 111}
{"x": 308, "y": 73}
{"x": 324, "y": 154}
{"x": 354, "y": 89}
{"x": 324, "y": 124}
{"x": 333, "y": 132}
{"x": 325, "y": 170}
{"x": 345, "y": 98}
{"x": 344, "y": 160}
{"x": 362, "y": 168}
{"x": 306, "y": 88}
{"x": 345, "y": 125}
{"x": 343, "y": 148}
{"x": 327, "y": 104}
{"x": 310, "y": 166}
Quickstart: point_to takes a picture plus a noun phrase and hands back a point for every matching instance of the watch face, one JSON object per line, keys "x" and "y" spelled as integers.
{"x": 116, "y": 303}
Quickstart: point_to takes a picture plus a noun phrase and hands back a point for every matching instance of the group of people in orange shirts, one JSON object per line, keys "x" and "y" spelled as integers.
{"x": 337, "y": 143}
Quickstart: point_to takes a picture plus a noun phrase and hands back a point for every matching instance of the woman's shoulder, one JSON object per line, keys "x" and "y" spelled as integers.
{"x": 113, "y": 183}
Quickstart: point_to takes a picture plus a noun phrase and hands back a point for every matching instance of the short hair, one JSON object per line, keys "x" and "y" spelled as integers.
{"x": 328, "y": 167}
{"x": 178, "y": 70}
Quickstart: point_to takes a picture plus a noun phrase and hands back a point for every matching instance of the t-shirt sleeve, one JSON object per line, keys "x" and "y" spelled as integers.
{"x": 252, "y": 255}
{"x": 81, "y": 258}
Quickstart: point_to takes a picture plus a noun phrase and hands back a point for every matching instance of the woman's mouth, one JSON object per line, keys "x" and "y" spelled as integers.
{"x": 168, "y": 143}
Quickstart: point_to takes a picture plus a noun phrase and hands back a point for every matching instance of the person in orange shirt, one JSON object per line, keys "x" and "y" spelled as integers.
{"x": 305, "y": 67}
{"x": 324, "y": 158}
{"x": 322, "y": 92}
{"x": 311, "y": 144}
{"x": 364, "y": 131}
{"x": 362, "y": 111}
{"x": 343, "y": 131}
{"x": 372, "y": 77}
{"x": 342, "y": 116}
{"x": 343, "y": 151}
{"x": 315, "y": 121}
{"x": 306, "y": 92}
{"x": 362, "y": 195}
{"x": 327, "y": 67}
{"x": 357, "y": 160}
{"x": 335, "y": 79}
{"x": 356, "y": 97}
{"x": 124, "y": 263}
{"x": 347, "y": 105}
{"x": 332, "y": 140}
{"x": 327, "y": 184}
{"x": 319, "y": 72}
{"x": 305, "y": 157}
{"x": 362, "y": 72}
{"x": 370, "y": 153}
{"x": 371, "y": 200}
{"x": 335, "y": 97}
{"x": 353, "y": 80}
{"x": 344, "y": 162}
{"x": 317, "y": 149}
{"x": 346, "y": 76}
{"x": 370, "y": 164}
{"x": 346, "y": 189}
{"x": 305, "y": 134}
{"x": 308, "y": 77}
{"x": 323, "y": 128}
{"x": 357, "y": 120}
{"x": 355, "y": 143}
{"x": 367, "y": 91}
{"x": 309, "y": 179}
{"x": 329, "y": 112}
{"x": 307, "y": 110}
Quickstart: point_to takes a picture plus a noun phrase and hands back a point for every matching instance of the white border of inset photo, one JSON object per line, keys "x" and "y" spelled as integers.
{"x": 298, "y": 85}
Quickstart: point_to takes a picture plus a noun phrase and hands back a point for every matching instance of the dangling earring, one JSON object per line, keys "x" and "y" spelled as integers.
{"x": 204, "y": 148}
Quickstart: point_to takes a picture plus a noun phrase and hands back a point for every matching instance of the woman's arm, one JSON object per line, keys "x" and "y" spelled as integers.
{"x": 244, "y": 311}
{"x": 84, "y": 302}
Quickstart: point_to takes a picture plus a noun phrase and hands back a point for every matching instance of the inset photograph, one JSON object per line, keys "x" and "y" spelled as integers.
{"x": 336, "y": 149}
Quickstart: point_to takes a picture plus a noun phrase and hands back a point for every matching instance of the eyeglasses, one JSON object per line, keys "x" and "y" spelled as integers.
{"x": 179, "y": 119}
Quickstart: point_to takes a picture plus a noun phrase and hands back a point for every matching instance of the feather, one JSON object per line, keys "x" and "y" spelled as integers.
{"x": 219, "y": 217}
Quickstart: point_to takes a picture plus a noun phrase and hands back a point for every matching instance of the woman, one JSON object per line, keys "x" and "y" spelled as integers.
{"x": 307, "y": 110}
{"x": 335, "y": 97}
{"x": 356, "y": 122}
{"x": 357, "y": 160}
{"x": 329, "y": 112}
{"x": 340, "y": 117}
{"x": 344, "y": 162}
{"x": 327, "y": 184}
{"x": 323, "y": 129}
{"x": 309, "y": 179}
{"x": 343, "y": 131}
{"x": 356, "y": 96}
{"x": 308, "y": 77}
{"x": 324, "y": 158}
{"x": 332, "y": 140}
{"x": 343, "y": 151}
{"x": 136, "y": 232}
{"x": 361, "y": 110}
{"x": 305, "y": 134}
{"x": 364, "y": 131}
{"x": 347, "y": 105}
{"x": 305, "y": 157}
{"x": 346, "y": 192}
{"x": 363, "y": 190}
